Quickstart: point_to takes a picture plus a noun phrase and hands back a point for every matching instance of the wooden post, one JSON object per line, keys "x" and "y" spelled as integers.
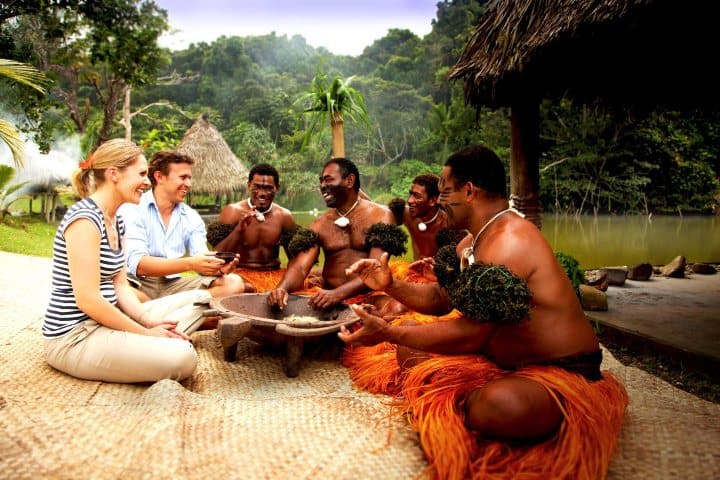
{"x": 525, "y": 159}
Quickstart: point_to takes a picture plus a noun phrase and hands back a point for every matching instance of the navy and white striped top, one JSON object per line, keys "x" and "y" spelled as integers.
{"x": 62, "y": 313}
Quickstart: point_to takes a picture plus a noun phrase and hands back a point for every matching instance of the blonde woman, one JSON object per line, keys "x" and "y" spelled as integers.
{"x": 95, "y": 327}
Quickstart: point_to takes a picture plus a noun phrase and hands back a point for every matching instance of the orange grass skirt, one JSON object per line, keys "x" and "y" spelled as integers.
{"x": 432, "y": 395}
{"x": 266, "y": 280}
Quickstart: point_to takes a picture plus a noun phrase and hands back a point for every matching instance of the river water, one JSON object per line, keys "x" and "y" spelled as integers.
{"x": 630, "y": 239}
{"x": 626, "y": 239}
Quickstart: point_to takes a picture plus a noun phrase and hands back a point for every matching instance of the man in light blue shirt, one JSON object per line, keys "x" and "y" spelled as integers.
{"x": 165, "y": 237}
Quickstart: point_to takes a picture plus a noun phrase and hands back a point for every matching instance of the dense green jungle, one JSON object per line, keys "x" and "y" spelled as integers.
{"x": 107, "y": 73}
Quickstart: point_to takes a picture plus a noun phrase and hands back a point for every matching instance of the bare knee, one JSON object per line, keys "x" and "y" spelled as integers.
{"x": 516, "y": 409}
{"x": 230, "y": 284}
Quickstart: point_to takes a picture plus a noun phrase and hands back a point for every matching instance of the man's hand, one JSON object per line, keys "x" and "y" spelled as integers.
{"x": 425, "y": 267}
{"x": 230, "y": 267}
{"x": 375, "y": 274}
{"x": 278, "y": 298}
{"x": 374, "y": 329}
{"x": 246, "y": 216}
{"x": 207, "y": 264}
{"x": 324, "y": 299}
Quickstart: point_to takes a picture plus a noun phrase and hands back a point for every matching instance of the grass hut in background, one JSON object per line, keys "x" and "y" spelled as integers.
{"x": 217, "y": 171}
{"x": 635, "y": 53}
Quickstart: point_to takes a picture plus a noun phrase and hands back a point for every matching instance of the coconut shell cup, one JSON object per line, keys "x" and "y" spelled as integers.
{"x": 227, "y": 257}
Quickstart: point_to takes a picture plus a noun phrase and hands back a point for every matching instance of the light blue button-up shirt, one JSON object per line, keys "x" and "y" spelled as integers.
{"x": 145, "y": 232}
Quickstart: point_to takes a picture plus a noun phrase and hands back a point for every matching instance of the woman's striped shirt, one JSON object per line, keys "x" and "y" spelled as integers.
{"x": 62, "y": 313}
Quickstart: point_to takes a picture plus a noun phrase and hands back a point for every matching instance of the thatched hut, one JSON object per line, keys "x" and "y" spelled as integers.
{"x": 623, "y": 52}
{"x": 217, "y": 171}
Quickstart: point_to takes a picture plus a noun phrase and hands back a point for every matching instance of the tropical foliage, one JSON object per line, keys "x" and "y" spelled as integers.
{"x": 7, "y": 189}
{"x": 26, "y": 75}
{"x": 331, "y": 101}
{"x": 407, "y": 117}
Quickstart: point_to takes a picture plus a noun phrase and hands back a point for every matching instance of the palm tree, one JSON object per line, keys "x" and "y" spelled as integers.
{"x": 332, "y": 101}
{"x": 27, "y": 75}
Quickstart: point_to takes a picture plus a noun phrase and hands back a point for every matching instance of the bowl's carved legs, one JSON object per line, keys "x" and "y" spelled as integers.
{"x": 293, "y": 355}
{"x": 230, "y": 331}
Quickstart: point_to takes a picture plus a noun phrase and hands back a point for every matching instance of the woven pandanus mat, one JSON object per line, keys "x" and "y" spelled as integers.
{"x": 668, "y": 433}
{"x": 245, "y": 419}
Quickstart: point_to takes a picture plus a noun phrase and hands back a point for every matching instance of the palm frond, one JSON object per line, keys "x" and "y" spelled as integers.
{"x": 11, "y": 137}
{"x": 23, "y": 73}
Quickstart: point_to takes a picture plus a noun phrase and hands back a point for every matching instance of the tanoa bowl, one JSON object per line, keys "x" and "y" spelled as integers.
{"x": 249, "y": 315}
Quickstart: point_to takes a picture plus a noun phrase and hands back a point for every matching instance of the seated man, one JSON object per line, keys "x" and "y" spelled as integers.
{"x": 422, "y": 216}
{"x": 341, "y": 232}
{"x": 255, "y": 226}
{"x": 519, "y": 362}
{"x": 162, "y": 229}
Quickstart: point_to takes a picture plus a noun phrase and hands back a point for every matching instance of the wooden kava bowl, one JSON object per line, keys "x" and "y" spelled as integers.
{"x": 249, "y": 315}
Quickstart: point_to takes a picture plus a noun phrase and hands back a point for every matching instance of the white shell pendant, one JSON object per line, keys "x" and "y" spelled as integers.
{"x": 260, "y": 217}
{"x": 467, "y": 258}
{"x": 342, "y": 222}
{"x": 422, "y": 227}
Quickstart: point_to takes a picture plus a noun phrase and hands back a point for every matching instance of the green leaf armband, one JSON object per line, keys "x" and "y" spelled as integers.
{"x": 491, "y": 294}
{"x": 302, "y": 239}
{"x": 216, "y": 232}
{"x": 448, "y": 236}
{"x": 397, "y": 207}
{"x": 447, "y": 265}
{"x": 390, "y": 238}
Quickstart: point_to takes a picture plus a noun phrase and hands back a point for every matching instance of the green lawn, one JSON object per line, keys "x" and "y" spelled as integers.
{"x": 29, "y": 235}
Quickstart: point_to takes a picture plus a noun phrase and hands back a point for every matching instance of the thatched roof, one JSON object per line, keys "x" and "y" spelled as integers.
{"x": 216, "y": 170}
{"x": 621, "y": 51}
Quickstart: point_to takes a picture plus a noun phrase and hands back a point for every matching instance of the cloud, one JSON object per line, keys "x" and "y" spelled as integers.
{"x": 344, "y": 28}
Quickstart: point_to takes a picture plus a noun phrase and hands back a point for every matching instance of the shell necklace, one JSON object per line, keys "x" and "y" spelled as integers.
{"x": 343, "y": 221}
{"x": 422, "y": 226}
{"x": 258, "y": 214}
{"x": 468, "y": 253}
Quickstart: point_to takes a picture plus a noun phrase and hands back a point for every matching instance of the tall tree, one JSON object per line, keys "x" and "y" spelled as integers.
{"x": 94, "y": 51}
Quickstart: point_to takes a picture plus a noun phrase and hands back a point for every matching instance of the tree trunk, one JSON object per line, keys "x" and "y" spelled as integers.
{"x": 338, "y": 136}
{"x": 116, "y": 90}
{"x": 524, "y": 159}
{"x": 126, "y": 120}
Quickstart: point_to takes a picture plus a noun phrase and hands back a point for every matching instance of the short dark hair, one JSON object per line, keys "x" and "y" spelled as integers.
{"x": 160, "y": 162}
{"x": 481, "y": 166}
{"x": 430, "y": 182}
{"x": 347, "y": 167}
{"x": 264, "y": 169}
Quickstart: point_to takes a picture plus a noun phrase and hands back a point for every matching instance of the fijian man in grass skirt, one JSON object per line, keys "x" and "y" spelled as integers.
{"x": 518, "y": 365}
{"x": 352, "y": 228}
{"x": 421, "y": 215}
{"x": 254, "y": 229}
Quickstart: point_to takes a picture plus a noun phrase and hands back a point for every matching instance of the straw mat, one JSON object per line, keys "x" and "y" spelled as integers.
{"x": 248, "y": 420}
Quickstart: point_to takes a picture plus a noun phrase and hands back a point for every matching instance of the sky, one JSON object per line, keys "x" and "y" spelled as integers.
{"x": 343, "y": 27}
